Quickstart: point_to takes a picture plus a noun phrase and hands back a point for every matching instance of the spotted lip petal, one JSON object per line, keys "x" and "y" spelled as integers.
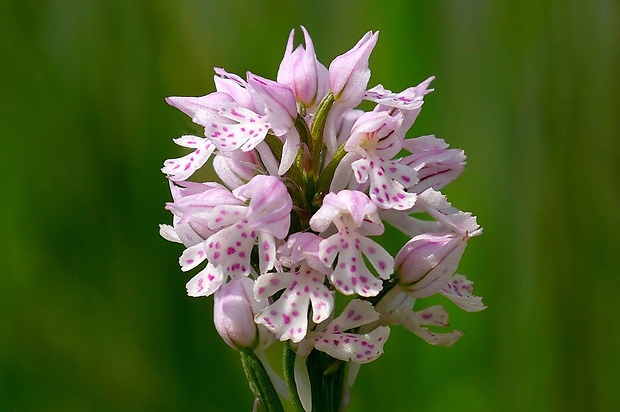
{"x": 192, "y": 257}
{"x": 303, "y": 287}
{"x": 336, "y": 342}
{"x": 182, "y": 168}
{"x": 231, "y": 248}
{"x": 399, "y": 312}
{"x": 206, "y": 282}
{"x": 460, "y": 291}
{"x": 350, "y": 274}
{"x": 244, "y": 129}
{"x": 287, "y": 317}
{"x": 388, "y": 182}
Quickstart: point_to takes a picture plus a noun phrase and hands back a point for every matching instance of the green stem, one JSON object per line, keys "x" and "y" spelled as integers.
{"x": 289, "y": 378}
{"x": 303, "y": 130}
{"x": 260, "y": 384}
{"x": 325, "y": 179}
{"x": 327, "y": 381}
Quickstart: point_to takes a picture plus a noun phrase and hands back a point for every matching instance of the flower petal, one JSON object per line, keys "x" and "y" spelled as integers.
{"x": 231, "y": 248}
{"x": 249, "y": 130}
{"x": 353, "y": 347}
{"x": 387, "y": 182}
{"x": 205, "y": 282}
{"x": 435, "y": 316}
{"x": 192, "y": 257}
{"x": 168, "y": 233}
{"x": 287, "y": 317}
{"x": 437, "y": 205}
{"x": 336, "y": 342}
{"x": 276, "y": 101}
{"x": 460, "y": 291}
{"x": 182, "y": 168}
{"x": 351, "y": 274}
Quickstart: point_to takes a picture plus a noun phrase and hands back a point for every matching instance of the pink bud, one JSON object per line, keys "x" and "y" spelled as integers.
{"x": 301, "y": 71}
{"x": 233, "y": 314}
{"x": 427, "y": 262}
{"x": 349, "y": 72}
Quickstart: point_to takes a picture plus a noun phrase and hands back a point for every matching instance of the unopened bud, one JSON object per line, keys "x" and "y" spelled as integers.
{"x": 427, "y": 262}
{"x": 233, "y": 315}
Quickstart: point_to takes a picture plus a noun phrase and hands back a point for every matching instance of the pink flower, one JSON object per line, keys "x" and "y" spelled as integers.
{"x": 202, "y": 110}
{"x": 303, "y": 288}
{"x": 277, "y": 102}
{"x": 353, "y": 214}
{"x": 309, "y": 180}
{"x": 348, "y": 209}
{"x": 265, "y": 219}
{"x": 448, "y": 219}
{"x": 234, "y": 86}
{"x": 235, "y": 230}
{"x": 437, "y": 206}
{"x": 374, "y": 140}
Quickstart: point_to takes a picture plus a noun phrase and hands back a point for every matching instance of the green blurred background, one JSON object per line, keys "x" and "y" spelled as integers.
{"x": 93, "y": 311}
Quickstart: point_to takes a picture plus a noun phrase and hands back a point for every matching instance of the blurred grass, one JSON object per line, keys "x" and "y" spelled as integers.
{"x": 93, "y": 312}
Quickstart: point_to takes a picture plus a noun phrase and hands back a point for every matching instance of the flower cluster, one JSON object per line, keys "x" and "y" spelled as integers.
{"x": 308, "y": 181}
